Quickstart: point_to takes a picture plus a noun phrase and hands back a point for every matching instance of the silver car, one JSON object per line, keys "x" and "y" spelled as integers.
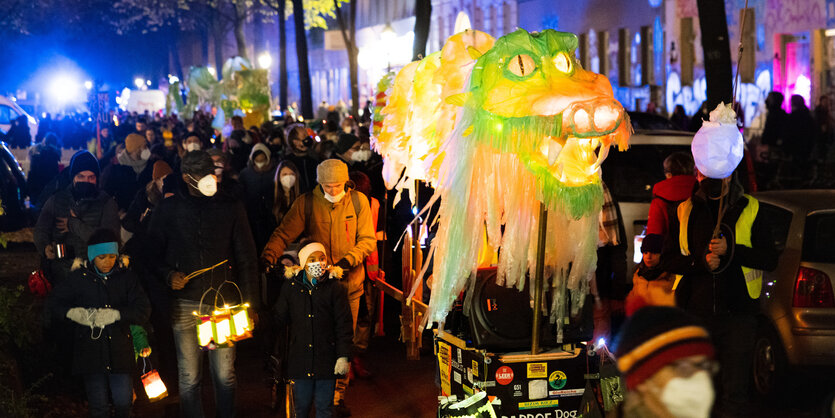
{"x": 797, "y": 320}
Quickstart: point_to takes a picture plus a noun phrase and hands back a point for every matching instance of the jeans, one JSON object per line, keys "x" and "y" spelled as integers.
{"x": 190, "y": 365}
{"x": 313, "y": 391}
{"x": 96, "y": 385}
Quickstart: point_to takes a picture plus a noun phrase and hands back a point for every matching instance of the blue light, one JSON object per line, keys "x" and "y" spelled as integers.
{"x": 601, "y": 342}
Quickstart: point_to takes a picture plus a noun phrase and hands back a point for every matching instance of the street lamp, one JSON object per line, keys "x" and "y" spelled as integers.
{"x": 88, "y": 85}
{"x": 387, "y": 37}
{"x": 265, "y": 60}
{"x": 139, "y": 82}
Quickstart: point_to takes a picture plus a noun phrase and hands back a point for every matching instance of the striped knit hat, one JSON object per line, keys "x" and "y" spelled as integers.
{"x": 656, "y": 336}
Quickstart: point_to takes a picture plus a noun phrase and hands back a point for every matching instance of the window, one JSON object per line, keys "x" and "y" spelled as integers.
{"x": 818, "y": 238}
{"x": 779, "y": 220}
{"x": 6, "y": 115}
{"x": 631, "y": 174}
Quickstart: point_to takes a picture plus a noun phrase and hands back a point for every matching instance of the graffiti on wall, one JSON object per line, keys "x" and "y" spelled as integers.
{"x": 750, "y": 95}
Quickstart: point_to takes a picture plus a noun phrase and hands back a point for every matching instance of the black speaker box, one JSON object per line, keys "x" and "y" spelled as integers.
{"x": 501, "y": 318}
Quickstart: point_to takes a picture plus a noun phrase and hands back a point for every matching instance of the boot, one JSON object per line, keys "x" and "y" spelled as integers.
{"x": 340, "y": 410}
{"x": 358, "y": 368}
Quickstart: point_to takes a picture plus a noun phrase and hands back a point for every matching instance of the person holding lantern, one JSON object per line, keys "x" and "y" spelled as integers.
{"x": 102, "y": 298}
{"x": 724, "y": 245}
{"x": 198, "y": 229}
{"x": 315, "y": 308}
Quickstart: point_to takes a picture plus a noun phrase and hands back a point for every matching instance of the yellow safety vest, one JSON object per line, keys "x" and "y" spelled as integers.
{"x": 742, "y": 230}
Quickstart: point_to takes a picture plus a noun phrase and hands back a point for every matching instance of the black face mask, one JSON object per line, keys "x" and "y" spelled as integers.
{"x": 84, "y": 190}
{"x": 712, "y": 188}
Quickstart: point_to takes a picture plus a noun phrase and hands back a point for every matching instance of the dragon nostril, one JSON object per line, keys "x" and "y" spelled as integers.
{"x": 582, "y": 121}
{"x": 606, "y": 117}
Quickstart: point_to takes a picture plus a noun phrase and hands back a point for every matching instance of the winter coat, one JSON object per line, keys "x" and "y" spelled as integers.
{"x": 654, "y": 286}
{"x": 307, "y": 170}
{"x": 702, "y": 292}
{"x": 320, "y": 325}
{"x": 666, "y": 195}
{"x": 190, "y": 233}
{"x": 43, "y": 167}
{"x": 113, "y": 351}
{"x": 259, "y": 189}
{"x": 91, "y": 214}
{"x": 122, "y": 182}
{"x": 343, "y": 231}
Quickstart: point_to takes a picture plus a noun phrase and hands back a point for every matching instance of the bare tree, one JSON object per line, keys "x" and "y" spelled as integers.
{"x": 305, "y": 87}
{"x": 423, "y": 17}
{"x": 717, "y": 51}
{"x": 349, "y": 35}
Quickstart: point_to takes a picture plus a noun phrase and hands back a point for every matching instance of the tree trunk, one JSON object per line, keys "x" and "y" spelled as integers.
{"x": 282, "y": 56}
{"x": 717, "y": 52}
{"x": 218, "y": 35}
{"x": 349, "y": 35}
{"x": 175, "y": 54}
{"x": 240, "y": 18}
{"x": 423, "y": 16}
{"x": 304, "y": 68}
{"x": 204, "y": 46}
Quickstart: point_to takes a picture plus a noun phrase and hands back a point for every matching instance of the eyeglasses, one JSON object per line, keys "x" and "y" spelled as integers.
{"x": 687, "y": 367}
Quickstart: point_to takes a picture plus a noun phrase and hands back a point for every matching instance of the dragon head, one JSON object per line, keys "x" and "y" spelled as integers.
{"x": 531, "y": 97}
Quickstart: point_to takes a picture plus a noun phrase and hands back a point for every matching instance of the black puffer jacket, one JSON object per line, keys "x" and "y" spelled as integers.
{"x": 190, "y": 233}
{"x": 320, "y": 326}
{"x": 112, "y": 351}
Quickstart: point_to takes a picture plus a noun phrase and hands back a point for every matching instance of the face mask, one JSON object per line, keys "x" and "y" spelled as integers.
{"x": 288, "y": 181}
{"x": 192, "y": 146}
{"x": 206, "y": 185}
{"x": 689, "y": 397}
{"x": 145, "y": 154}
{"x": 712, "y": 188}
{"x": 84, "y": 190}
{"x": 361, "y": 155}
{"x": 334, "y": 199}
{"x": 315, "y": 270}
{"x": 260, "y": 165}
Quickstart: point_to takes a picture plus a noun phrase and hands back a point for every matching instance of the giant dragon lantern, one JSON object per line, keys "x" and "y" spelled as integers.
{"x": 499, "y": 128}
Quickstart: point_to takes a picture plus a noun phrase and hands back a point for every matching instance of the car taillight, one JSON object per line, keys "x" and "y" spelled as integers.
{"x": 812, "y": 289}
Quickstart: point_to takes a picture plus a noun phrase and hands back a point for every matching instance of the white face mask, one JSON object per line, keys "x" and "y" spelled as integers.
{"x": 334, "y": 199}
{"x": 260, "y": 165}
{"x": 689, "y": 397}
{"x": 361, "y": 155}
{"x": 192, "y": 146}
{"x": 145, "y": 154}
{"x": 206, "y": 185}
{"x": 288, "y": 181}
{"x": 315, "y": 270}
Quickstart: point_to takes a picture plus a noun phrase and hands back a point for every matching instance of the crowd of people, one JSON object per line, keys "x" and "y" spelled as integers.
{"x": 172, "y": 211}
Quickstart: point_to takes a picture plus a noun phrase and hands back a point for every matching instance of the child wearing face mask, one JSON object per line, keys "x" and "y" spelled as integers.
{"x": 313, "y": 303}
{"x": 666, "y": 358}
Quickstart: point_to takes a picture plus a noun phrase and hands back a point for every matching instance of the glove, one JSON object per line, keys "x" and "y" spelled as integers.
{"x": 342, "y": 366}
{"x": 343, "y": 264}
{"x": 79, "y": 316}
{"x": 105, "y": 317}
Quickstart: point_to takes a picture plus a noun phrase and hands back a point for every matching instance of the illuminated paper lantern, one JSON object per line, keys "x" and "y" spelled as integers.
{"x": 154, "y": 387}
{"x": 498, "y": 128}
{"x": 224, "y": 326}
{"x": 718, "y": 146}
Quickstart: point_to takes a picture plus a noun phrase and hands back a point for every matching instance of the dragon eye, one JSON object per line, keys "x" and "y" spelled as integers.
{"x": 562, "y": 62}
{"x": 521, "y": 65}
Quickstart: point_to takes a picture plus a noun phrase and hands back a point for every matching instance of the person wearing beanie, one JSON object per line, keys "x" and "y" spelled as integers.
{"x": 300, "y": 143}
{"x": 313, "y": 305}
{"x": 100, "y": 301}
{"x": 257, "y": 181}
{"x": 70, "y": 216}
{"x": 131, "y": 172}
{"x": 667, "y": 359}
{"x": 351, "y": 150}
{"x": 650, "y": 283}
{"x": 196, "y": 229}
{"x": 338, "y": 217}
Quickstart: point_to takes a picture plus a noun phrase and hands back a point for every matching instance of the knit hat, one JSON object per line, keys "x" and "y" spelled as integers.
{"x": 161, "y": 169}
{"x": 102, "y": 241}
{"x": 83, "y": 161}
{"x": 656, "y": 336}
{"x": 310, "y": 249}
{"x": 652, "y": 243}
{"x": 345, "y": 142}
{"x": 133, "y": 142}
{"x": 332, "y": 171}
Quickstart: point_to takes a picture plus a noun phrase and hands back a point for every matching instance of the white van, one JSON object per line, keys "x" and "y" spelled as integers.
{"x": 9, "y": 111}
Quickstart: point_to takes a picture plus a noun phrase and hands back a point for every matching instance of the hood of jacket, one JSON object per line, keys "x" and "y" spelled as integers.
{"x": 259, "y": 147}
{"x": 674, "y": 188}
{"x": 79, "y": 263}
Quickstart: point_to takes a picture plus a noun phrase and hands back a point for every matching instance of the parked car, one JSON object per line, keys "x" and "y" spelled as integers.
{"x": 631, "y": 174}
{"x": 797, "y": 321}
{"x": 9, "y": 111}
{"x": 12, "y": 192}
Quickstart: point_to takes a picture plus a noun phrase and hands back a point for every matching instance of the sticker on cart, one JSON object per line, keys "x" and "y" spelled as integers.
{"x": 538, "y": 371}
{"x": 469, "y": 375}
{"x": 457, "y": 377}
{"x": 557, "y": 380}
{"x": 475, "y": 368}
{"x": 445, "y": 367}
{"x": 538, "y": 404}
{"x": 504, "y": 375}
{"x": 460, "y": 361}
{"x": 565, "y": 393}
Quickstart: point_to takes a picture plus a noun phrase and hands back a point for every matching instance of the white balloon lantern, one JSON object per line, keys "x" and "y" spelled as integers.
{"x": 718, "y": 147}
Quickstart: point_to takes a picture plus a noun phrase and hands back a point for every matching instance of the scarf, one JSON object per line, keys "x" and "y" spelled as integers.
{"x": 136, "y": 165}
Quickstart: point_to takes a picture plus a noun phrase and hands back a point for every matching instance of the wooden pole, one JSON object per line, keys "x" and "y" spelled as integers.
{"x": 538, "y": 277}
